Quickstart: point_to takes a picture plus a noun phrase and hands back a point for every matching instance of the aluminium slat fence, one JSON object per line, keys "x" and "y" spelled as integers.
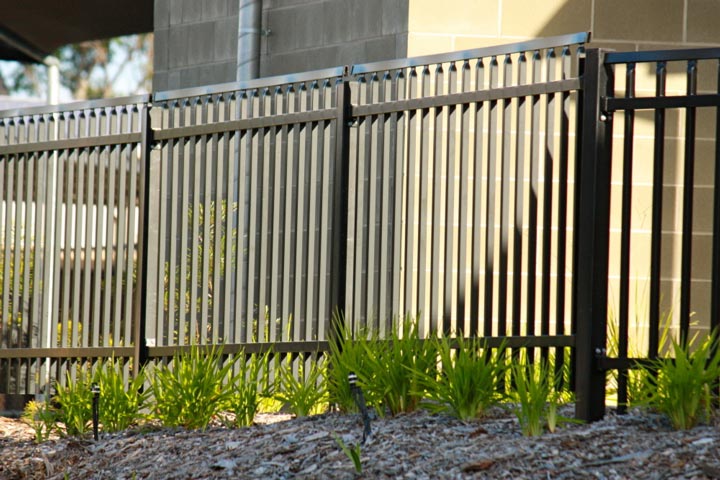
{"x": 71, "y": 215}
{"x": 464, "y": 189}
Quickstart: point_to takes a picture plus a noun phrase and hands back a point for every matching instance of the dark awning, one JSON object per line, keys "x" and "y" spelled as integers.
{"x": 33, "y": 29}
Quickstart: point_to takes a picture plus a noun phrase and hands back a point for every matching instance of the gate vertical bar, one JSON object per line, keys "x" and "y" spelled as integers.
{"x": 593, "y": 238}
{"x": 340, "y": 212}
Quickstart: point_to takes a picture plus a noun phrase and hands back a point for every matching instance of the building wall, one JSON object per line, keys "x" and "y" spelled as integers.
{"x": 618, "y": 24}
{"x": 196, "y": 40}
{"x": 313, "y": 34}
{"x": 195, "y": 43}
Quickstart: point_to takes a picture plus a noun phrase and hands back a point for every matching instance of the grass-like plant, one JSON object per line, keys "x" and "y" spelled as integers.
{"x": 682, "y": 388}
{"x": 352, "y": 452}
{"x": 348, "y": 355}
{"x": 467, "y": 383}
{"x": 248, "y": 387}
{"x": 42, "y": 418}
{"x": 303, "y": 391}
{"x": 75, "y": 403}
{"x": 533, "y": 386}
{"x": 119, "y": 404}
{"x": 193, "y": 391}
{"x": 394, "y": 368}
{"x": 635, "y": 379}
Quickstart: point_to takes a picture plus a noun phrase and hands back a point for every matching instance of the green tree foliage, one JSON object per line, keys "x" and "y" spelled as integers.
{"x": 90, "y": 70}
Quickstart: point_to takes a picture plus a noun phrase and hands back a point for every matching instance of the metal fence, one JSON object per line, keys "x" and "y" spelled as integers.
{"x": 653, "y": 193}
{"x": 472, "y": 190}
{"x": 70, "y": 227}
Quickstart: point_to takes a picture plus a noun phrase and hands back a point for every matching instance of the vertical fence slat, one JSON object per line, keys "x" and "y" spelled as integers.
{"x": 520, "y": 159}
{"x": 687, "y": 209}
{"x": 411, "y": 295}
{"x": 211, "y": 210}
{"x": 477, "y": 195}
{"x": 227, "y": 158}
{"x": 452, "y": 268}
{"x": 325, "y": 229}
{"x": 562, "y": 209}
{"x": 464, "y": 297}
{"x": 505, "y": 174}
{"x": 436, "y": 191}
{"x": 549, "y": 161}
{"x": 626, "y": 212}
{"x": 490, "y": 206}
{"x": 398, "y": 129}
{"x": 424, "y": 293}
{"x": 657, "y": 211}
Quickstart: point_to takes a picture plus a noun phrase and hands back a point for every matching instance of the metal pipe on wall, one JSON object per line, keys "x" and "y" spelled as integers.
{"x": 249, "y": 29}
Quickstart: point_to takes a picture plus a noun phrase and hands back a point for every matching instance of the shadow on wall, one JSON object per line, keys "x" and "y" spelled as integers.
{"x": 653, "y": 25}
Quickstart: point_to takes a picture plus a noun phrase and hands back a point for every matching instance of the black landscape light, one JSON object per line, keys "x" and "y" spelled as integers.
{"x": 95, "y": 389}
{"x": 360, "y": 402}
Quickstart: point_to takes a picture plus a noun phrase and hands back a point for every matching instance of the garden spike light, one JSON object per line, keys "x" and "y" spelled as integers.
{"x": 95, "y": 389}
{"x": 360, "y": 402}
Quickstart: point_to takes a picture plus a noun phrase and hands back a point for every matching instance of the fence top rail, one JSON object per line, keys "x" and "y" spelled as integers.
{"x": 612, "y": 58}
{"x": 340, "y": 71}
{"x": 265, "y": 82}
{"x": 507, "y": 49}
{"x": 76, "y": 106}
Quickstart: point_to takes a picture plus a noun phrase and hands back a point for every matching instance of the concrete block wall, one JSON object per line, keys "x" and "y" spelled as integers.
{"x": 313, "y": 34}
{"x": 195, "y": 43}
{"x": 436, "y": 27}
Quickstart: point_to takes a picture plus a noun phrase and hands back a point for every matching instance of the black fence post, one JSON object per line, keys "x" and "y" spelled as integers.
{"x": 591, "y": 276}
{"x": 140, "y": 355}
{"x": 338, "y": 259}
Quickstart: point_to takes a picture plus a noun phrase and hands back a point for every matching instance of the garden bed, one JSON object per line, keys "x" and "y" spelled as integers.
{"x": 416, "y": 445}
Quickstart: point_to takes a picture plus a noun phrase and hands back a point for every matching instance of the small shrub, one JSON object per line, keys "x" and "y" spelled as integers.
{"x": 394, "y": 369}
{"x": 42, "y": 418}
{"x": 533, "y": 387}
{"x": 348, "y": 355}
{"x": 75, "y": 403}
{"x": 352, "y": 452}
{"x": 305, "y": 392}
{"x": 681, "y": 388}
{"x": 119, "y": 405}
{"x": 193, "y": 391}
{"x": 248, "y": 387}
{"x": 467, "y": 383}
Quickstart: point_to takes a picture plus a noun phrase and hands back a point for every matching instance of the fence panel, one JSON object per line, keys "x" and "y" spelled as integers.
{"x": 462, "y": 191}
{"x": 69, "y": 220}
{"x": 664, "y": 257}
{"x": 244, "y": 214}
